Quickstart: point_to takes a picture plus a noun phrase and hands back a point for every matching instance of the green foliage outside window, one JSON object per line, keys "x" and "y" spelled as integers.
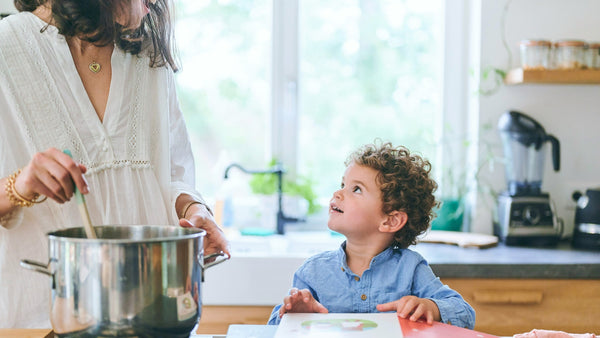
{"x": 367, "y": 69}
{"x": 266, "y": 184}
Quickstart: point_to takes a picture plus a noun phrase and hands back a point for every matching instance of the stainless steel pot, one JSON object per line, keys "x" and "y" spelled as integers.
{"x": 133, "y": 281}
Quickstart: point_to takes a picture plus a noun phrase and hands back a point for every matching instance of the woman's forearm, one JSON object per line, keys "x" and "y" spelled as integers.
{"x": 195, "y": 213}
{"x": 186, "y": 205}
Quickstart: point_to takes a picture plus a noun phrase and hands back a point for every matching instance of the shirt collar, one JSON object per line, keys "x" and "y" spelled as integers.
{"x": 382, "y": 257}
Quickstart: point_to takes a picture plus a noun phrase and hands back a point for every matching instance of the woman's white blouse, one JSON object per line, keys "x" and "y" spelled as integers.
{"x": 138, "y": 158}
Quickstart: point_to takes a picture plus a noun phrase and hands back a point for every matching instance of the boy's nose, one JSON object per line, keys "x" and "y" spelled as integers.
{"x": 338, "y": 194}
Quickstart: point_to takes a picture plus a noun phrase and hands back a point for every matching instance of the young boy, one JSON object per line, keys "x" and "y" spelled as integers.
{"x": 384, "y": 203}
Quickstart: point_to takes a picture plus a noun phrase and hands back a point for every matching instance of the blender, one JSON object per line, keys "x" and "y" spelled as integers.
{"x": 526, "y": 215}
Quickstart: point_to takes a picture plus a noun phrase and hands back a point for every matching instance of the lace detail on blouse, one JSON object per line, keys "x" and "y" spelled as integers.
{"x": 134, "y": 128}
{"x": 98, "y": 167}
{"x": 133, "y": 125}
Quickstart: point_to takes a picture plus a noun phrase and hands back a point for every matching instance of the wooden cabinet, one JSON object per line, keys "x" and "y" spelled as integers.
{"x": 505, "y": 307}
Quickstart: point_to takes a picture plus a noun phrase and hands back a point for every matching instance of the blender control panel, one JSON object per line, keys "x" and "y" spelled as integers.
{"x": 525, "y": 214}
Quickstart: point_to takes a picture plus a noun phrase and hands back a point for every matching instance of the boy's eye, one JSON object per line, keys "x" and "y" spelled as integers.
{"x": 342, "y": 185}
{"x": 356, "y": 189}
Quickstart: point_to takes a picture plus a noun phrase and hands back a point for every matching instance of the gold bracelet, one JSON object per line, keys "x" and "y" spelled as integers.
{"x": 17, "y": 199}
{"x": 189, "y": 204}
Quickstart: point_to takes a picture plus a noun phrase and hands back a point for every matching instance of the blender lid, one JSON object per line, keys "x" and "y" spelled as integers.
{"x": 522, "y": 128}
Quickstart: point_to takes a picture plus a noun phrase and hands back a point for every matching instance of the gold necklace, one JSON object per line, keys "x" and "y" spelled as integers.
{"x": 94, "y": 67}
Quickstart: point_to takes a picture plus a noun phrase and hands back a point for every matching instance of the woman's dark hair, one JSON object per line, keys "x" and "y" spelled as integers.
{"x": 94, "y": 21}
{"x": 405, "y": 184}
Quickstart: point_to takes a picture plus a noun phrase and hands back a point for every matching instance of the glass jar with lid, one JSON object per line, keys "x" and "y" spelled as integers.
{"x": 593, "y": 55}
{"x": 569, "y": 54}
{"x": 535, "y": 54}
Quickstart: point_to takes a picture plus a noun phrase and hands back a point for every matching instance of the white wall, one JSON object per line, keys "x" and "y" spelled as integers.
{"x": 569, "y": 112}
{"x": 6, "y": 6}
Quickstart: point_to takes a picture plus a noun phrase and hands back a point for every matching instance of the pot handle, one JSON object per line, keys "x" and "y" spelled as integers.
{"x": 211, "y": 264}
{"x": 217, "y": 261}
{"x": 37, "y": 267}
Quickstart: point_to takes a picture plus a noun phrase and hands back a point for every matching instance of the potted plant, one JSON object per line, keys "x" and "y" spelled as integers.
{"x": 453, "y": 187}
{"x": 457, "y": 180}
{"x": 302, "y": 187}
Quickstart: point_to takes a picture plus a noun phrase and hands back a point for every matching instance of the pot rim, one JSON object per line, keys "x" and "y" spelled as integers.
{"x": 193, "y": 233}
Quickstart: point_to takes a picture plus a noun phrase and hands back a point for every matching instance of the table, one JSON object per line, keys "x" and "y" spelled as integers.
{"x": 26, "y": 333}
{"x": 409, "y": 329}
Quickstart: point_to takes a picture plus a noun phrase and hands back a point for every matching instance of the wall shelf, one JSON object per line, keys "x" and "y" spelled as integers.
{"x": 553, "y": 76}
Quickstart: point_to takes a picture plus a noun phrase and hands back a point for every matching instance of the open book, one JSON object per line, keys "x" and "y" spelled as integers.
{"x": 362, "y": 325}
{"x": 334, "y": 325}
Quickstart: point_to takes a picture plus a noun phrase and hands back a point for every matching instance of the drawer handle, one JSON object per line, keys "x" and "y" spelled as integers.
{"x": 508, "y": 297}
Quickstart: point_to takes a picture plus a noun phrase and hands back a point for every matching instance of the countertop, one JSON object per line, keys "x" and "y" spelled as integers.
{"x": 561, "y": 261}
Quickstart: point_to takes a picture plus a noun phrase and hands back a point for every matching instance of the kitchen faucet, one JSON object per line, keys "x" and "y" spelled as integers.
{"x": 279, "y": 171}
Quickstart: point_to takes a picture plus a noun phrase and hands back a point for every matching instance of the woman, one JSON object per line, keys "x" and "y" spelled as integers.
{"x": 94, "y": 77}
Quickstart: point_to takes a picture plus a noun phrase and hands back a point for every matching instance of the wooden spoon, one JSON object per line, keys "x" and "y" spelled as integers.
{"x": 85, "y": 215}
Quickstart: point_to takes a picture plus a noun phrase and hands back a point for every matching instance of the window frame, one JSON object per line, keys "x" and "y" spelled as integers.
{"x": 458, "y": 111}
{"x": 284, "y": 86}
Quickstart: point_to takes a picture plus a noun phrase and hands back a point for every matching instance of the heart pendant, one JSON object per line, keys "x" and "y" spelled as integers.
{"x": 94, "y": 67}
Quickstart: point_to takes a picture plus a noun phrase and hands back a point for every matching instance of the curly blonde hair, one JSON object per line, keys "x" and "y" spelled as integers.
{"x": 405, "y": 183}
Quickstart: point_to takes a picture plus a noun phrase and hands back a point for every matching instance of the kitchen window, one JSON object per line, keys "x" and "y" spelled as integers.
{"x": 308, "y": 81}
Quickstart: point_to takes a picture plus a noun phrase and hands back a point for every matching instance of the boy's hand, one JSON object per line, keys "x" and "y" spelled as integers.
{"x": 415, "y": 307}
{"x": 301, "y": 301}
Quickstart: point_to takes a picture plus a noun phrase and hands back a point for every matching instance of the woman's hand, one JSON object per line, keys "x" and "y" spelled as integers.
{"x": 415, "y": 307}
{"x": 51, "y": 173}
{"x": 198, "y": 216}
{"x": 301, "y": 301}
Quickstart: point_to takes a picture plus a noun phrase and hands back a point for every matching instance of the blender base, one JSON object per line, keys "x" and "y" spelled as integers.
{"x": 531, "y": 240}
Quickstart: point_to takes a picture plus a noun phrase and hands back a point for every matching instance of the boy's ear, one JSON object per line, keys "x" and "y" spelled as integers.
{"x": 394, "y": 222}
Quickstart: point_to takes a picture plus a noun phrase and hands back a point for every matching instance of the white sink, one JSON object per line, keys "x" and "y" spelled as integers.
{"x": 301, "y": 244}
{"x": 261, "y": 268}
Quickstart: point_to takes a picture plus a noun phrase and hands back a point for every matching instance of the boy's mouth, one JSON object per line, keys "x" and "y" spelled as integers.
{"x": 333, "y": 207}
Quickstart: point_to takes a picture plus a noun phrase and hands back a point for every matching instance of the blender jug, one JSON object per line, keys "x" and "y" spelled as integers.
{"x": 524, "y": 140}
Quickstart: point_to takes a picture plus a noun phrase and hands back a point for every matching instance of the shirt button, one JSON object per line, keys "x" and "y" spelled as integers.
{"x": 343, "y": 269}
{"x": 363, "y": 297}
{"x": 356, "y": 278}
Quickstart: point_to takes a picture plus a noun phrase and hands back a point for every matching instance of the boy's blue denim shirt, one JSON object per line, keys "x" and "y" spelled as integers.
{"x": 392, "y": 274}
